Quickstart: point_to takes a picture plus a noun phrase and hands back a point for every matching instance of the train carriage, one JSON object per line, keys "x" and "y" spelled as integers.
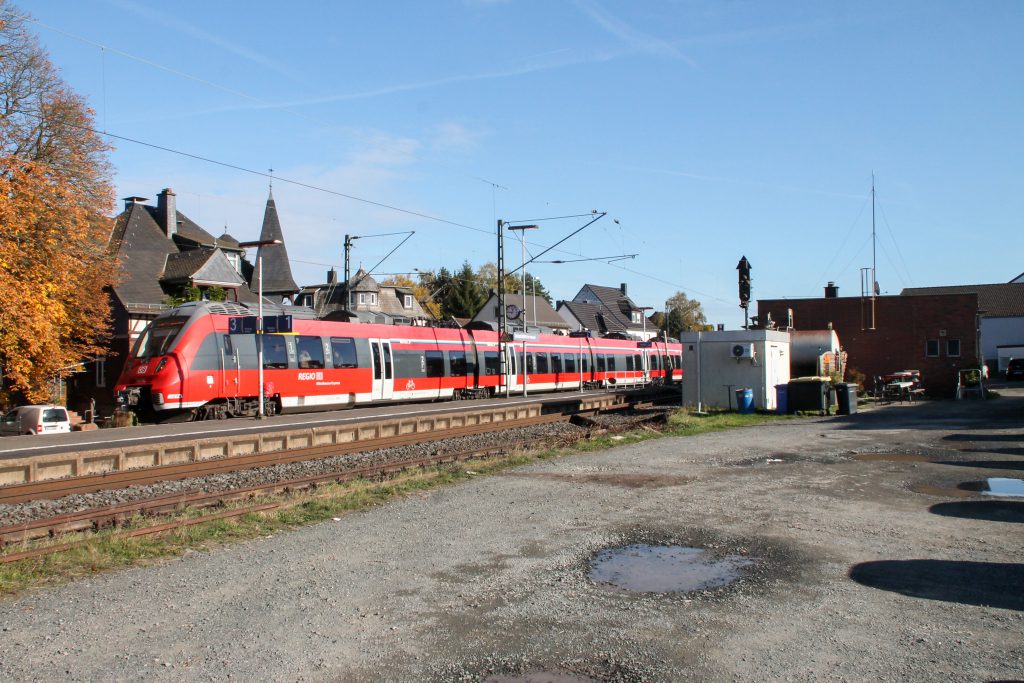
{"x": 187, "y": 365}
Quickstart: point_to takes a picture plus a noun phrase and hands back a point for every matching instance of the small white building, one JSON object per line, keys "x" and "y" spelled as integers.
{"x": 715, "y": 364}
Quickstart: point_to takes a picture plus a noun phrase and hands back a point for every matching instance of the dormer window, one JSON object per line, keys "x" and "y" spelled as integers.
{"x": 233, "y": 259}
{"x": 636, "y": 317}
{"x": 407, "y": 300}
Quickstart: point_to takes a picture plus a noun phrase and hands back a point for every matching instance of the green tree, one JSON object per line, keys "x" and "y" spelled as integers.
{"x": 464, "y": 295}
{"x": 684, "y": 315}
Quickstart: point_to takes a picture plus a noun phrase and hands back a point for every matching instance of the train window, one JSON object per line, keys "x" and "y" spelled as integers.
{"x": 375, "y": 353}
{"x": 556, "y": 362}
{"x": 570, "y": 362}
{"x": 664, "y": 363}
{"x": 229, "y": 347}
{"x": 629, "y": 363}
{"x": 531, "y": 364}
{"x": 491, "y": 364}
{"x": 435, "y": 364}
{"x": 457, "y": 362}
{"x": 275, "y": 353}
{"x": 612, "y": 361}
{"x": 542, "y": 363}
{"x": 158, "y": 338}
{"x": 600, "y": 362}
{"x": 638, "y": 362}
{"x": 344, "y": 351}
{"x": 586, "y": 364}
{"x": 311, "y": 352}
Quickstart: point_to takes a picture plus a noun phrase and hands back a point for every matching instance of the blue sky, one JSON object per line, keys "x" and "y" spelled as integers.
{"x": 708, "y": 129}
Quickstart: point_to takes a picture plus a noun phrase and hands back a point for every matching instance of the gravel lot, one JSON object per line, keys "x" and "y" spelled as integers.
{"x": 868, "y": 569}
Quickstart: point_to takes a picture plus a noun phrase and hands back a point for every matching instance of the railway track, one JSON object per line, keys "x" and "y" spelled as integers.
{"x": 58, "y": 488}
{"x": 99, "y": 518}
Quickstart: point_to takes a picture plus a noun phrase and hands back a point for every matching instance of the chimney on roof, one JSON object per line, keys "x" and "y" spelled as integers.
{"x": 332, "y": 276}
{"x": 831, "y": 291}
{"x": 622, "y": 288}
{"x": 167, "y": 212}
{"x": 129, "y": 202}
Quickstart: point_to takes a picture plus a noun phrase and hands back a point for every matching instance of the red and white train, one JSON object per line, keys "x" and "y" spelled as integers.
{"x": 186, "y": 365}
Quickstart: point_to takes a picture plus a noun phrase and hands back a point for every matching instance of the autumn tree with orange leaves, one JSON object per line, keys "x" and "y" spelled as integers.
{"x": 55, "y": 195}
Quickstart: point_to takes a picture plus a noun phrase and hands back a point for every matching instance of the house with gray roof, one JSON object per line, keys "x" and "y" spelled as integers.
{"x": 368, "y": 301}
{"x": 605, "y": 311}
{"x": 161, "y": 252}
{"x": 524, "y": 313}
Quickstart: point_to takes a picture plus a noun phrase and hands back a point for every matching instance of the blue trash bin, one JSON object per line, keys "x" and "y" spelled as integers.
{"x": 782, "y": 398}
{"x": 745, "y": 400}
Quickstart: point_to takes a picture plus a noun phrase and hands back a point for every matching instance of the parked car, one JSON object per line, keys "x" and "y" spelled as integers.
{"x": 1015, "y": 369}
{"x": 48, "y": 419}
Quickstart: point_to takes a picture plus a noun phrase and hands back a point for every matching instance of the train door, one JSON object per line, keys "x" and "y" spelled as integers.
{"x": 512, "y": 368}
{"x": 383, "y": 369}
{"x": 230, "y": 370}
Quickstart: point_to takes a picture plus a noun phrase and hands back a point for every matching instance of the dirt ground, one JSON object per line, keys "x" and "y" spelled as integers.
{"x": 876, "y": 556}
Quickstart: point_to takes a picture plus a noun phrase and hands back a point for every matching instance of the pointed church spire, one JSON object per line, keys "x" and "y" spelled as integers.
{"x": 277, "y": 273}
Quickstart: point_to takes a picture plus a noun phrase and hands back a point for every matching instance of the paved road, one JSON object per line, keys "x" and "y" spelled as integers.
{"x": 866, "y": 569}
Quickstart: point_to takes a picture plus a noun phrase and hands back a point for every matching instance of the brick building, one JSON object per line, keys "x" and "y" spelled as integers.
{"x": 936, "y": 334}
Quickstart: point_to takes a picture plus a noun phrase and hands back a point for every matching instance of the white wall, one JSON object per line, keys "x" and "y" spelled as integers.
{"x": 718, "y": 374}
{"x": 1002, "y": 331}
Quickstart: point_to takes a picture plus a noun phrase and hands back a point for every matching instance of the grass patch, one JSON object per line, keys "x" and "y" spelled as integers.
{"x": 109, "y": 550}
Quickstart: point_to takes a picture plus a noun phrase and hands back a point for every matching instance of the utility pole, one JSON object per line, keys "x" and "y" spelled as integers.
{"x": 348, "y": 268}
{"x": 502, "y": 315}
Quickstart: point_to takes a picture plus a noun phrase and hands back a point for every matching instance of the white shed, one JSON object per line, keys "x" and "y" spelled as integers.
{"x": 715, "y": 364}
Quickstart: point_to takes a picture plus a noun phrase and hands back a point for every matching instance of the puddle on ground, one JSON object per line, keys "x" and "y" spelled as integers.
{"x": 891, "y": 457}
{"x": 962, "y": 491}
{"x": 1000, "y": 486}
{"x": 541, "y": 677}
{"x": 665, "y": 569}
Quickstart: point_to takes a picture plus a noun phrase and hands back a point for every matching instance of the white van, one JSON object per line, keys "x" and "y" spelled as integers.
{"x": 48, "y": 419}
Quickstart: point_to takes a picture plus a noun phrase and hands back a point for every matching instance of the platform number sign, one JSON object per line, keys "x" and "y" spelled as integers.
{"x": 242, "y": 324}
{"x": 272, "y": 324}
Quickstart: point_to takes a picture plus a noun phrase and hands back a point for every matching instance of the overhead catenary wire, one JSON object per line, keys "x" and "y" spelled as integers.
{"x": 896, "y": 244}
{"x": 263, "y": 102}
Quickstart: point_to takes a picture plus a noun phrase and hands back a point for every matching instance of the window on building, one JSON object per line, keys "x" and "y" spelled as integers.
{"x": 953, "y": 348}
{"x": 931, "y": 348}
{"x": 636, "y": 317}
{"x": 101, "y": 371}
{"x": 234, "y": 261}
{"x": 407, "y": 300}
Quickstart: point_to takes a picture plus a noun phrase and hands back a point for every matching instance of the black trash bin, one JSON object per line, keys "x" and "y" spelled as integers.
{"x": 846, "y": 398}
{"x": 809, "y": 395}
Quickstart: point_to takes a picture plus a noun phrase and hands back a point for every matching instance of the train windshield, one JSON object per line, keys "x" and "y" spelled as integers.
{"x": 158, "y": 337}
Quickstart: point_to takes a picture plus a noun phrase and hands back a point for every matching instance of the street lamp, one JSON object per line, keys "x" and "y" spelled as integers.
{"x": 260, "y": 413}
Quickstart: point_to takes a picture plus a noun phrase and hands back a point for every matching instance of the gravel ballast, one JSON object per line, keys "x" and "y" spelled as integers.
{"x": 860, "y": 575}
